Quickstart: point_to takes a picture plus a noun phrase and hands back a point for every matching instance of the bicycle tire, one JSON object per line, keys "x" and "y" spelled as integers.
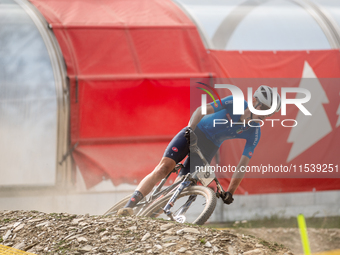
{"x": 118, "y": 205}
{"x": 121, "y": 204}
{"x": 206, "y": 192}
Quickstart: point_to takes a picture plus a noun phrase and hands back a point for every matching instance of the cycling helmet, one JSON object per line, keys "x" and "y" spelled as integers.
{"x": 265, "y": 96}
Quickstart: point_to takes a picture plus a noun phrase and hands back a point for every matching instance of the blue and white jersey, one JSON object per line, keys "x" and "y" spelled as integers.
{"x": 222, "y": 132}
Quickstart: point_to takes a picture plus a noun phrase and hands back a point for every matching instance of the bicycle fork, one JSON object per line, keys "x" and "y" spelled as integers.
{"x": 180, "y": 215}
{"x": 185, "y": 183}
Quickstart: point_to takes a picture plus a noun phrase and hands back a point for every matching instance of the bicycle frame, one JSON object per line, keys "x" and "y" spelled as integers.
{"x": 191, "y": 180}
{"x": 156, "y": 192}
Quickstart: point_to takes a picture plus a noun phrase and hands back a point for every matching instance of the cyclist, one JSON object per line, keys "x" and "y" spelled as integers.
{"x": 209, "y": 139}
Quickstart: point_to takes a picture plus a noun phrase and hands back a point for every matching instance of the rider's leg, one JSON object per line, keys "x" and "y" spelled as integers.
{"x": 146, "y": 185}
{"x": 192, "y": 159}
{"x": 208, "y": 149}
{"x": 174, "y": 153}
{"x": 161, "y": 170}
{"x": 185, "y": 169}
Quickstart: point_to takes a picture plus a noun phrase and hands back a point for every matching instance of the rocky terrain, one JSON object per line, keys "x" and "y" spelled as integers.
{"x": 320, "y": 240}
{"x": 63, "y": 233}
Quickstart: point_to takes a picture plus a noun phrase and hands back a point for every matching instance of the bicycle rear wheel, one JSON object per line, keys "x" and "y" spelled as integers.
{"x": 136, "y": 210}
{"x": 194, "y": 205}
{"x": 141, "y": 205}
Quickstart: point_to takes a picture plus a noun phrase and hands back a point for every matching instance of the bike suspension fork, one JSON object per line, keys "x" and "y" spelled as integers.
{"x": 172, "y": 200}
{"x": 187, "y": 204}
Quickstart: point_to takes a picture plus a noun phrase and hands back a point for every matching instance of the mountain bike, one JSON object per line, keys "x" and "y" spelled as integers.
{"x": 184, "y": 200}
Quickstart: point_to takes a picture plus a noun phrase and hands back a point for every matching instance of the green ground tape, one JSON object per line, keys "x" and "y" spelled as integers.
{"x": 4, "y": 250}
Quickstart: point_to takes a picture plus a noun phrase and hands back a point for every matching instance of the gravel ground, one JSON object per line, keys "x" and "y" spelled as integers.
{"x": 63, "y": 233}
{"x": 320, "y": 240}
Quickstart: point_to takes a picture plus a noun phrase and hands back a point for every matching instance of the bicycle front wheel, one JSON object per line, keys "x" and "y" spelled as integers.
{"x": 194, "y": 205}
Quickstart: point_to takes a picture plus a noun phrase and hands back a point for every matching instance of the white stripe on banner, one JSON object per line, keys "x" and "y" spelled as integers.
{"x": 204, "y": 104}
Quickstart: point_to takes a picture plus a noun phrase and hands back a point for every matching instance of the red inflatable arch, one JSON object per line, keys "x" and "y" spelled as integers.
{"x": 129, "y": 65}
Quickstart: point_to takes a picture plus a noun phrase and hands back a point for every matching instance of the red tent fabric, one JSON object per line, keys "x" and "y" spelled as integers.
{"x": 130, "y": 62}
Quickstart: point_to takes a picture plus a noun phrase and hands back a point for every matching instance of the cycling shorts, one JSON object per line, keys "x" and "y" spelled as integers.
{"x": 178, "y": 149}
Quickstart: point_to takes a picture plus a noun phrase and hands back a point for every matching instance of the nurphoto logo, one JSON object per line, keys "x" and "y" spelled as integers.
{"x": 238, "y": 104}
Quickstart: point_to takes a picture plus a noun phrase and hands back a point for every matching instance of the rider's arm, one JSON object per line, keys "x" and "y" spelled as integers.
{"x": 238, "y": 175}
{"x": 248, "y": 151}
{"x": 211, "y": 108}
{"x": 197, "y": 116}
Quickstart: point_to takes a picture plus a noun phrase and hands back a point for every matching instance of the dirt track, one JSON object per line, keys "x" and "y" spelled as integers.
{"x": 320, "y": 239}
{"x": 42, "y": 233}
